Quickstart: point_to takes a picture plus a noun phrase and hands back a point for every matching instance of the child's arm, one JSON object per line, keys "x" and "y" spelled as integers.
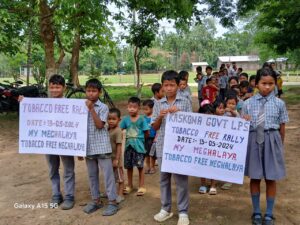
{"x": 98, "y": 123}
{"x": 118, "y": 155}
{"x": 282, "y": 132}
{"x": 156, "y": 124}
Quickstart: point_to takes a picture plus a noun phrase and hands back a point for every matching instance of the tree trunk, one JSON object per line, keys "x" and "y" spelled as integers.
{"x": 137, "y": 66}
{"x": 75, "y": 60}
{"x": 48, "y": 37}
{"x": 29, "y": 52}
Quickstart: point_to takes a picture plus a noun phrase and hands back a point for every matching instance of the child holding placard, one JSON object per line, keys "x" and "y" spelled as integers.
{"x": 171, "y": 103}
{"x": 265, "y": 159}
{"x": 56, "y": 90}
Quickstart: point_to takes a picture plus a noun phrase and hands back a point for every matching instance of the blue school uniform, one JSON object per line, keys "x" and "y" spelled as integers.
{"x": 266, "y": 160}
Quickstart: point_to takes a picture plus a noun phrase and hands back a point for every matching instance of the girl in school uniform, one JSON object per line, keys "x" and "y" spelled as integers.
{"x": 265, "y": 158}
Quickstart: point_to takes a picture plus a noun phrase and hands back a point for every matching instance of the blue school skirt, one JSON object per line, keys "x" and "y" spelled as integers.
{"x": 265, "y": 161}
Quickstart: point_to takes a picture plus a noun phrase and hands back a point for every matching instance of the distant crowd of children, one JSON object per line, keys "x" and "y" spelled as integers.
{"x": 137, "y": 139}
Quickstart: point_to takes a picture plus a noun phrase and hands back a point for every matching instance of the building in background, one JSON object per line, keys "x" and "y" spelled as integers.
{"x": 247, "y": 62}
{"x": 196, "y": 64}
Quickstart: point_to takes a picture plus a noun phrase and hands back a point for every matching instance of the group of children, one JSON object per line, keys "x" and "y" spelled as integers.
{"x": 141, "y": 142}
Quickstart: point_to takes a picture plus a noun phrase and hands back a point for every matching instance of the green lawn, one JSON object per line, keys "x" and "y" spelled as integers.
{"x": 145, "y": 78}
{"x": 291, "y": 94}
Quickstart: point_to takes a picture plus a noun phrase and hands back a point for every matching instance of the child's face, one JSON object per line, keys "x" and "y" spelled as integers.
{"x": 133, "y": 108}
{"x": 266, "y": 85}
{"x": 170, "y": 88}
{"x": 231, "y": 104}
{"x": 113, "y": 120}
{"x": 182, "y": 84}
{"x": 252, "y": 83}
{"x": 244, "y": 90}
{"x": 232, "y": 82}
{"x": 56, "y": 90}
{"x": 214, "y": 81}
{"x": 92, "y": 94}
{"x": 160, "y": 94}
{"x": 220, "y": 110}
{"x": 210, "y": 83}
{"x": 208, "y": 72}
{"x": 242, "y": 78}
{"x": 147, "y": 110}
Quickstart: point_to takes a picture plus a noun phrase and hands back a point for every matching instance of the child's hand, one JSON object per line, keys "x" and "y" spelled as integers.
{"x": 115, "y": 163}
{"x": 80, "y": 158}
{"x": 89, "y": 104}
{"x": 173, "y": 109}
{"x": 20, "y": 98}
{"x": 247, "y": 117}
{"x": 163, "y": 112}
{"x": 227, "y": 110}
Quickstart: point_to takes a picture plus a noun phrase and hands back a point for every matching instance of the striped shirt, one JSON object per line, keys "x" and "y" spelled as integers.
{"x": 275, "y": 111}
{"x": 98, "y": 139}
{"x": 181, "y": 103}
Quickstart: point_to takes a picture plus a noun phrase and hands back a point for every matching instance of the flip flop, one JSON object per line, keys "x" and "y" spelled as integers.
{"x": 212, "y": 191}
{"x": 127, "y": 190}
{"x": 141, "y": 191}
{"x": 226, "y": 186}
{"x": 152, "y": 171}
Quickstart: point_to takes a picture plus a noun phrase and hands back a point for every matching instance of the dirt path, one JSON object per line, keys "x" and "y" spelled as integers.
{"x": 24, "y": 180}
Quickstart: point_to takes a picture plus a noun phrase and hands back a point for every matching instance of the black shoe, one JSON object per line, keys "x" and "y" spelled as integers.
{"x": 268, "y": 220}
{"x": 256, "y": 219}
{"x": 55, "y": 202}
{"x": 67, "y": 204}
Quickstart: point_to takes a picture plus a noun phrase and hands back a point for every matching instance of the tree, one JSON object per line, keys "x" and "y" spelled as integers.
{"x": 277, "y": 22}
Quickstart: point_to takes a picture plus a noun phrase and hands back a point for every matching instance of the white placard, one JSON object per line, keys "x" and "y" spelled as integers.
{"x": 206, "y": 146}
{"x": 56, "y": 126}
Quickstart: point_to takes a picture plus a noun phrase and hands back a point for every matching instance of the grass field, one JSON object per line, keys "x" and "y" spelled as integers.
{"x": 145, "y": 78}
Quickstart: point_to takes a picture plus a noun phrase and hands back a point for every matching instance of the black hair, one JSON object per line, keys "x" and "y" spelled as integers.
{"x": 199, "y": 69}
{"x": 218, "y": 103}
{"x": 149, "y": 103}
{"x": 93, "y": 83}
{"x": 235, "y": 86}
{"x": 216, "y": 73}
{"x": 208, "y": 67}
{"x": 222, "y": 66}
{"x": 135, "y": 100}
{"x": 231, "y": 92}
{"x": 57, "y": 79}
{"x": 244, "y": 75}
{"x": 115, "y": 111}
{"x": 252, "y": 77}
{"x": 182, "y": 74}
{"x": 155, "y": 87}
{"x": 241, "y": 69}
{"x": 170, "y": 75}
{"x": 229, "y": 97}
{"x": 208, "y": 80}
{"x": 266, "y": 71}
{"x": 233, "y": 78}
{"x": 207, "y": 109}
{"x": 244, "y": 84}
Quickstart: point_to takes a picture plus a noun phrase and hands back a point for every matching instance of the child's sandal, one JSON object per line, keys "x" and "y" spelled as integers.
{"x": 256, "y": 219}
{"x": 268, "y": 220}
{"x": 127, "y": 190}
{"x": 141, "y": 191}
